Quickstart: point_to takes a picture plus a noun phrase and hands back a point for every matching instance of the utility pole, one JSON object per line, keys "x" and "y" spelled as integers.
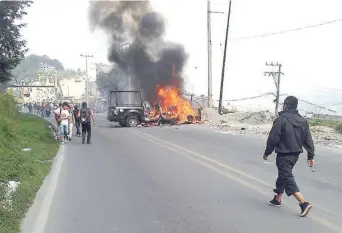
{"x": 130, "y": 100}
{"x": 224, "y": 59}
{"x": 276, "y": 78}
{"x": 87, "y": 77}
{"x": 122, "y": 46}
{"x": 210, "y": 82}
{"x": 96, "y": 91}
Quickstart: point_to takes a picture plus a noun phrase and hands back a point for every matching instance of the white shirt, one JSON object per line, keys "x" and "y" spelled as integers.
{"x": 57, "y": 111}
{"x": 65, "y": 115}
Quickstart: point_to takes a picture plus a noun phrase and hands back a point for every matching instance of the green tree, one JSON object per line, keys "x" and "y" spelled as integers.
{"x": 12, "y": 46}
{"x": 32, "y": 64}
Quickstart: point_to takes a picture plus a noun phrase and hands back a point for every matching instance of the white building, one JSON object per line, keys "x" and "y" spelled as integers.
{"x": 73, "y": 87}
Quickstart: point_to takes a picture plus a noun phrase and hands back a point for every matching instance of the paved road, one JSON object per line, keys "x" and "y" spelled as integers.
{"x": 185, "y": 179}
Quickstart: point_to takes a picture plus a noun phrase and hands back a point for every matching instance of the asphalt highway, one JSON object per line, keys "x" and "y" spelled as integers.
{"x": 185, "y": 179}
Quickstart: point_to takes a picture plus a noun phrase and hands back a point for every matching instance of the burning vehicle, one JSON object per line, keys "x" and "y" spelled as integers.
{"x": 128, "y": 109}
{"x": 150, "y": 64}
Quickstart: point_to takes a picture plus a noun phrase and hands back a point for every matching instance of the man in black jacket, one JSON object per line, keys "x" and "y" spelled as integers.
{"x": 86, "y": 116}
{"x": 77, "y": 121}
{"x": 289, "y": 134}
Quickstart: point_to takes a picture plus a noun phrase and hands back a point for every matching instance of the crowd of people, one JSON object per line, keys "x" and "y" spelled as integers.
{"x": 43, "y": 109}
{"x": 69, "y": 115}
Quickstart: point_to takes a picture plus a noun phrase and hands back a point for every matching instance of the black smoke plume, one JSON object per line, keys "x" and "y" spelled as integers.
{"x": 149, "y": 60}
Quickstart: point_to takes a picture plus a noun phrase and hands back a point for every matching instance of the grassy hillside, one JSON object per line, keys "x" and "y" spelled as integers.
{"x": 18, "y": 131}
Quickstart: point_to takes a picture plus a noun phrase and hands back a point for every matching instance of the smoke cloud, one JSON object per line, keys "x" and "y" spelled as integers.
{"x": 149, "y": 60}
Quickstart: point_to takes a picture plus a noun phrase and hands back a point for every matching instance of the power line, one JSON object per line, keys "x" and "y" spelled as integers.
{"x": 249, "y": 98}
{"x": 289, "y": 30}
{"x": 271, "y": 93}
{"x": 315, "y": 105}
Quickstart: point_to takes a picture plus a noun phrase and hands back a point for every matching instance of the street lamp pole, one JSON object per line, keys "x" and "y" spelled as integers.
{"x": 87, "y": 77}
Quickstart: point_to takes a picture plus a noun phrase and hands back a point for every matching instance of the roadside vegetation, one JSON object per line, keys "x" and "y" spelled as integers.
{"x": 19, "y": 131}
{"x": 331, "y": 124}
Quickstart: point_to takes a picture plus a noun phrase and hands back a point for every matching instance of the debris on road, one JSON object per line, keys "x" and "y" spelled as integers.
{"x": 260, "y": 123}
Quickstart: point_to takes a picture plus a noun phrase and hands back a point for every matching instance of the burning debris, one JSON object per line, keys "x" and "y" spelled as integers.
{"x": 153, "y": 66}
{"x": 172, "y": 109}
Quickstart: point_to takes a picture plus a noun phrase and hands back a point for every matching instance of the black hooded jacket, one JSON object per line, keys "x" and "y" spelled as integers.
{"x": 289, "y": 134}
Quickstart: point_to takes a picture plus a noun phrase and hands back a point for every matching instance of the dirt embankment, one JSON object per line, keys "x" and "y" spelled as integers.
{"x": 260, "y": 123}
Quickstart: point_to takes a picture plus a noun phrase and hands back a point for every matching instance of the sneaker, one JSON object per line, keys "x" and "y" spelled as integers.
{"x": 274, "y": 203}
{"x": 82, "y": 142}
{"x": 305, "y": 209}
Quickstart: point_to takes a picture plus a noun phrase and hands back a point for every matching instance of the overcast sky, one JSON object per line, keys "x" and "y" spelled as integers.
{"x": 310, "y": 57}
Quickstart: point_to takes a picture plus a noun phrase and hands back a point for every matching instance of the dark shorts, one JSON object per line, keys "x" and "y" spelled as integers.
{"x": 286, "y": 181}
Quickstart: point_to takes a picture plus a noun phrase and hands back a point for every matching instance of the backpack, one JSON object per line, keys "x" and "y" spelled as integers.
{"x": 85, "y": 115}
{"x": 75, "y": 112}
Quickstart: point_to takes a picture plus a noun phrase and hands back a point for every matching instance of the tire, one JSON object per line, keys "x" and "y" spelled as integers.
{"x": 122, "y": 123}
{"x": 132, "y": 121}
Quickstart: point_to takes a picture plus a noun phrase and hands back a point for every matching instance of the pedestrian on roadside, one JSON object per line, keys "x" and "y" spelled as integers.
{"x": 42, "y": 110}
{"x": 77, "y": 122}
{"x": 86, "y": 115}
{"x": 30, "y": 107}
{"x": 71, "y": 122}
{"x": 289, "y": 134}
{"x": 48, "y": 111}
{"x": 64, "y": 125}
{"x": 58, "y": 118}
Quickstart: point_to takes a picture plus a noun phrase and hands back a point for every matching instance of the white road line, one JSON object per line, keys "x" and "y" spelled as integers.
{"x": 47, "y": 203}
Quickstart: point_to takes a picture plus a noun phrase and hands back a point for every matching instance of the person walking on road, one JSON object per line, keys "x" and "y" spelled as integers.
{"x": 64, "y": 125}
{"x": 289, "y": 134}
{"x": 30, "y": 107}
{"x": 75, "y": 113}
{"x": 58, "y": 118}
{"x": 86, "y": 115}
{"x": 71, "y": 121}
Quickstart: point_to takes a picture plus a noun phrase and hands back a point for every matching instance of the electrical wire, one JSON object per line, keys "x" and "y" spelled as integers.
{"x": 249, "y": 98}
{"x": 287, "y": 31}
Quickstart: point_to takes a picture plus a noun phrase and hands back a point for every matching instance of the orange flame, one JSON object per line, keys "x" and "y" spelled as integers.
{"x": 174, "y": 106}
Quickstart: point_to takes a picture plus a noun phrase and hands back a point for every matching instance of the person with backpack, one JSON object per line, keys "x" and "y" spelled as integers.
{"x": 86, "y": 115}
{"x": 75, "y": 113}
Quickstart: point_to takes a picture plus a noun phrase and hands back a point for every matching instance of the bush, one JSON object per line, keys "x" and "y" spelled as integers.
{"x": 17, "y": 131}
{"x": 338, "y": 127}
{"x": 321, "y": 122}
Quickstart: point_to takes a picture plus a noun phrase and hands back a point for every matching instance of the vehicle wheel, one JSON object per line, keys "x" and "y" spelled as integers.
{"x": 132, "y": 121}
{"x": 122, "y": 123}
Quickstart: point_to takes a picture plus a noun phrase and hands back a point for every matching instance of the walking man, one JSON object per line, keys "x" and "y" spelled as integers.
{"x": 289, "y": 134}
{"x": 71, "y": 121}
{"x": 64, "y": 125}
{"x": 86, "y": 115}
{"x": 76, "y": 114}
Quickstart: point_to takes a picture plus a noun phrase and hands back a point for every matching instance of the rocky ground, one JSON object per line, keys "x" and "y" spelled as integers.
{"x": 260, "y": 123}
